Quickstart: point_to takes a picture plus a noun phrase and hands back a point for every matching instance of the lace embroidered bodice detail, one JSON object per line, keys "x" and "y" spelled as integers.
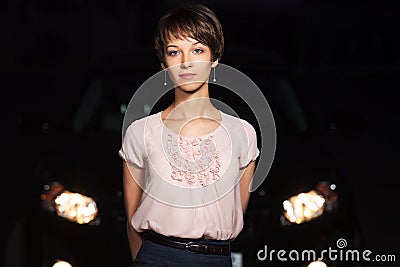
{"x": 193, "y": 159}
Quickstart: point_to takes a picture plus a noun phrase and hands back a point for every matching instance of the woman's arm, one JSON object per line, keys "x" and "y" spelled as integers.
{"x": 132, "y": 196}
{"x": 245, "y": 183}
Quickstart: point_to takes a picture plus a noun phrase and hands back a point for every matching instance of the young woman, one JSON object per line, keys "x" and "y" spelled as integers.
{"x": 187, "y": 169}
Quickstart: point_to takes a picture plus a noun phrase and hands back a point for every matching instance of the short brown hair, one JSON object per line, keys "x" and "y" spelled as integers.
{"x": 195, "y": 21}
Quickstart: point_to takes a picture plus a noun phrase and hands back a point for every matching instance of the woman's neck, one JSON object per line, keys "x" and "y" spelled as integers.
{"x": 189, "y": 105}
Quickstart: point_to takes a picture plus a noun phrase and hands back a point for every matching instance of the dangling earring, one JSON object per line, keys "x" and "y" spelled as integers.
{"x": 214, "y": 80}
{"x": 165, "y": 77}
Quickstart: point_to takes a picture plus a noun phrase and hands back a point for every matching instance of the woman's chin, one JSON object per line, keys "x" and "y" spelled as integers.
{"x": 191, "y": 87}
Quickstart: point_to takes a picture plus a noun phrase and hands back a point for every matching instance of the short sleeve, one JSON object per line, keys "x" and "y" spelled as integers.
{"x": 249, "y": 150}
{"x": 133, "y": 148}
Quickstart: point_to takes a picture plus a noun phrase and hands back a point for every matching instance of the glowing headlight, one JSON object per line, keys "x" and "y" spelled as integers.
{"x": 75, "y": 207}
{"x": 304, "y": 207}
{"x": 62, "y": 264}
{"x": 72, "y": 206}
{"x": 317, "y": 264}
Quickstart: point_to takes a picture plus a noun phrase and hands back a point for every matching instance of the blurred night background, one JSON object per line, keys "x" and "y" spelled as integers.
{"x": 340, "y": 60}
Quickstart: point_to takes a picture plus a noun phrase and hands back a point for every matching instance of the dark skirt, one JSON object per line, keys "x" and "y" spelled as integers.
{"x": 153, "y": 254}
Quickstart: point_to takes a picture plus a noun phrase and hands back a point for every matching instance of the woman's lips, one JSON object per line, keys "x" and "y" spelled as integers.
{"x": 187, "y": 76}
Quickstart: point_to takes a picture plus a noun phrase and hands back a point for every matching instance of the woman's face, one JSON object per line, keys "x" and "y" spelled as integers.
{"x": 188, "y": 62}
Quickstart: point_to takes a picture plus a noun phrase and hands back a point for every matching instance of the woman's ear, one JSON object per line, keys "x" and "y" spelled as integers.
{"x": 162, "y": 66}
{"x": 215, "y": 63}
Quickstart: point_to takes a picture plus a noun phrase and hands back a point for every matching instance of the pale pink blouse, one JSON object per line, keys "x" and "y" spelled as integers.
{"x": 191, "y": 184}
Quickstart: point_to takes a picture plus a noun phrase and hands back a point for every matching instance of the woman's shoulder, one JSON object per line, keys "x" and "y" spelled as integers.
{"x": 147, "y": 123}
{"x": 235, "y": 122}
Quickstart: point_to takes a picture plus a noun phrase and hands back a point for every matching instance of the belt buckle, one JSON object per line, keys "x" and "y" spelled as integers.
{"x": 196, "y": 247}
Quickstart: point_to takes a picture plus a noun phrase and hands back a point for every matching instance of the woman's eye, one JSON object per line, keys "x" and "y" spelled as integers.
{"x": 173, "y": 53}
{"x": 198, "y": 51}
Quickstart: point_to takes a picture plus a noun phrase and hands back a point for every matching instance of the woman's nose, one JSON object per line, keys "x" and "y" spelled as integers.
{"x": 186, "y": 61}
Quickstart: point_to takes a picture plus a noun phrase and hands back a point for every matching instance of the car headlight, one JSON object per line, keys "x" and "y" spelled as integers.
{"x": 72, "y": 206}
{"x": 75, "y": 207}
{"x": 307, "y": 206}
{"x": 61, "y": 263}
{"x": 304, "y": 207}
{"x": 317, "y": 264}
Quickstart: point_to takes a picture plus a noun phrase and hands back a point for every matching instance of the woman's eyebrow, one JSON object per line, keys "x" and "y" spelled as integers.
{"x": 173, "y": 45}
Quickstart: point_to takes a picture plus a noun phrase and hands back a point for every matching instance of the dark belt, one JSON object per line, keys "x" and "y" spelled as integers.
{"x": 191, "y": 246}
